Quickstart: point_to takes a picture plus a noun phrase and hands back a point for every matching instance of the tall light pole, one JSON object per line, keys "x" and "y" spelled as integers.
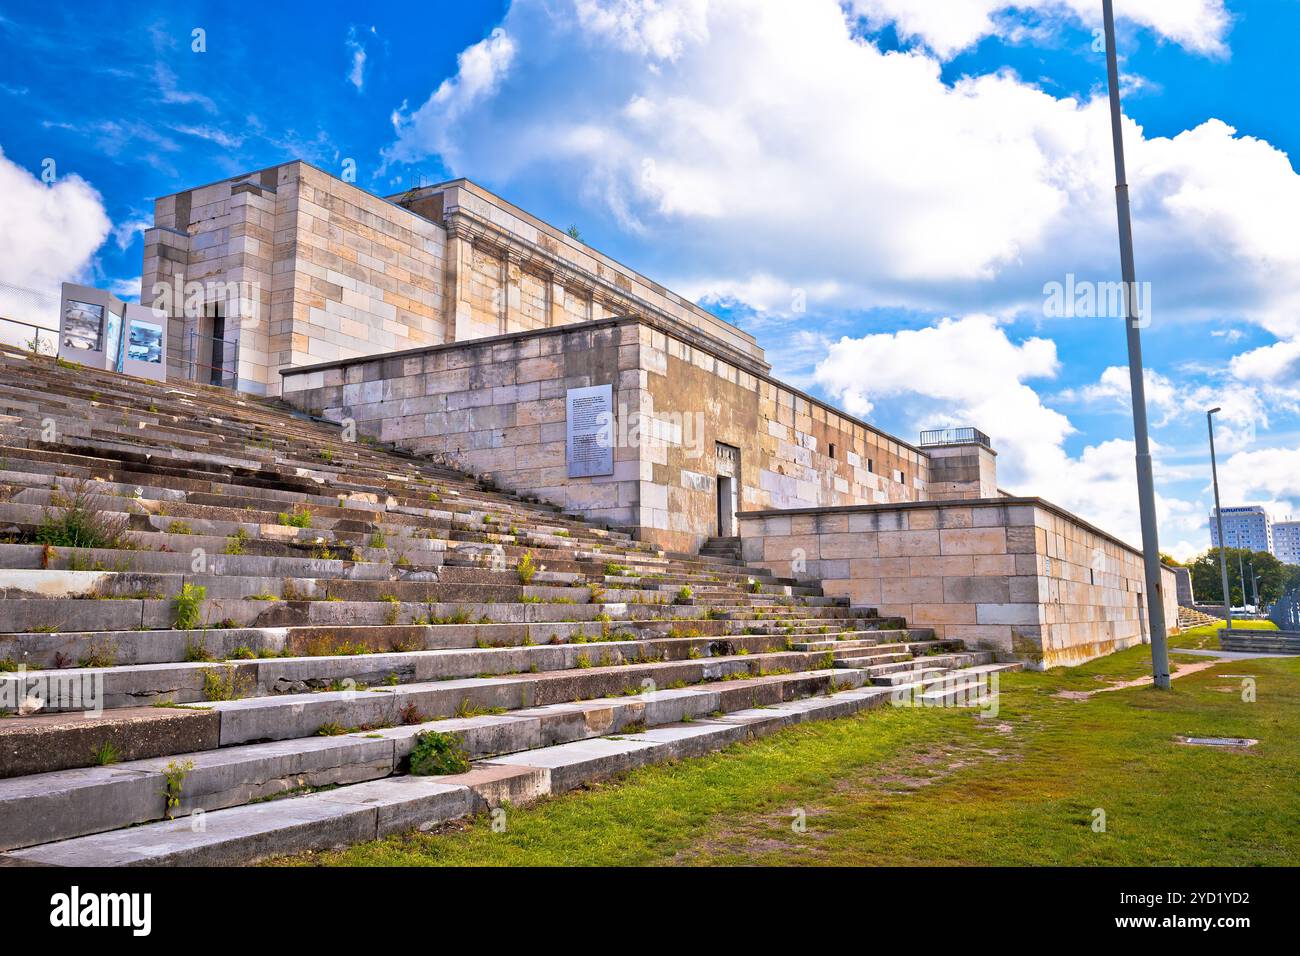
{"x": 1241, "y": 567}
{"x": 1132, "y": 322}
{"x": 1218, "y": 516}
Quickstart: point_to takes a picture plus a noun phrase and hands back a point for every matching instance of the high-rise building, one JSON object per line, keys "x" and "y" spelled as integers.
{"x": 1247, "y": 527}
{"x": 1286, "y": 541}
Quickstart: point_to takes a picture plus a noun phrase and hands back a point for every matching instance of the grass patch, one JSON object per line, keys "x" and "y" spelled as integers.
{"x": 899, "y": 786}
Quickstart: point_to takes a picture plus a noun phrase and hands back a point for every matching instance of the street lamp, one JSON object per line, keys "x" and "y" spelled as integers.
{"x": 1218, "y": 516}
{"x": 1132, "y": 323}
{"x": 1241, "y": 568}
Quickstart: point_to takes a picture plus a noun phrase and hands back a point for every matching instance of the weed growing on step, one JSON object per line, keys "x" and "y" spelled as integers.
{"x": 378, "y": 539}
{"x": 527, "y": 567}
{"x": 100, "y": 653}
{"x": 438, "y": 754}
{"x": 82, "y": 520}
{"x": 225, "y": 684}
{"x": 106, "y": 754}
{"x": 410, "y": 714}
{"x": 243, "y": 653}
{"x": 299, "y": 517}
{"x": 684, "y": 595}
{"x": 331, "y": 728}
{"x": 174, "y": 774}
{"x": 7, "y": 665}
{"x": 179, "y": 527}
{"x": 196, "y": 652}
{"x": 188, "y": 604}
{"x": 237, "y": 542}
{"x": 466, "y": 709}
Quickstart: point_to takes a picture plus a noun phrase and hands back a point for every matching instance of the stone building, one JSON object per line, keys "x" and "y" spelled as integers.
{"x": 456, "y": 325}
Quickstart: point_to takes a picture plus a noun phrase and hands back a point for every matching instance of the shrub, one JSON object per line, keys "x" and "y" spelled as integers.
{"x": 225, "y": 683}
{"x": 188, "y": 603}
{"x": 235, "y": 544}
{"x": 82, "y": 521}
{"x": 299, "y": 517}
{"x": 527, "y": 567}
{"x": 436, "y": 754}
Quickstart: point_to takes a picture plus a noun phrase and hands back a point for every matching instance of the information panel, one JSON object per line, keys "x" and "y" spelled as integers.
{"x": 589, "y": 416}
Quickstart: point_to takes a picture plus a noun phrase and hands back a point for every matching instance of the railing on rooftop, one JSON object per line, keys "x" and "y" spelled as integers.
{"x": 954, "y": 436}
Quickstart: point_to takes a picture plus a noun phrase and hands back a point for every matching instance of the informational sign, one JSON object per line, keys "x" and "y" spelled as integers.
{"x": 590, "y": 419}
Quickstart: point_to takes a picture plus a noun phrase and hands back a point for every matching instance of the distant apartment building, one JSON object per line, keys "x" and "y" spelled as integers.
{"x": 1247, "y": 527}
{"x": 1286, "y": 541}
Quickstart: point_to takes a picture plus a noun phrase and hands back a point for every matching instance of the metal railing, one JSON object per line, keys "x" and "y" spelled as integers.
{"x": 32, "y": 337}
{"x": 211, "y": 360}
{"x": 1286, "y": 612}
{"x": 955, "y": 436}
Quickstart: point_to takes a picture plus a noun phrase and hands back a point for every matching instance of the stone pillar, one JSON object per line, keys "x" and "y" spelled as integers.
{"x": 457, "y": 311}
{"x": 962, "y": 470}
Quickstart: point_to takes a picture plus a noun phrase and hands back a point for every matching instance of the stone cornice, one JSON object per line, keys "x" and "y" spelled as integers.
{"x": 486, "y": 235}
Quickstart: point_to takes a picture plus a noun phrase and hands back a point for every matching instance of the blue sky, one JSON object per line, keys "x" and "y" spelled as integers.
{"x": 880, "y": 190}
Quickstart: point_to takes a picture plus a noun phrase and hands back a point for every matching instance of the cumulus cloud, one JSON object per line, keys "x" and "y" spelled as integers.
{"x": 1245, "y": 410}
{"x": 1267, "y": 476}
{"x": 824, "y": 163}
{"x": 968, "y": 371}
{"x": 48, "y": 233}
{"x": 949, "y": 26}
{"x": 480, "y": 69}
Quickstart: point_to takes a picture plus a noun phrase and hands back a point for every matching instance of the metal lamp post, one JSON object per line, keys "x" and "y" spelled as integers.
{"x": 1132, "y": 322}
{"x": 1241, "y": 569}
{"x": 1218, "y": 517}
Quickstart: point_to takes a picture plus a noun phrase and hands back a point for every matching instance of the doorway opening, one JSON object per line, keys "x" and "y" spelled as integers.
{"x": 728, "y": 488}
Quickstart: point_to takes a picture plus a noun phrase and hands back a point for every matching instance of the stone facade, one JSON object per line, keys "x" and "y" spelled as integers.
{"x": 684, "y": 416}
{"x": 290, "y": 266}
{"x": 1015, "y": 575}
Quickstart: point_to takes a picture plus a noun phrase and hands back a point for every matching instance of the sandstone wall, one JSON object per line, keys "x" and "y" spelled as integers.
{"x": 497, "y": 407}
{"x": 1015, "y": 575}
{"x": 326, "y": 271}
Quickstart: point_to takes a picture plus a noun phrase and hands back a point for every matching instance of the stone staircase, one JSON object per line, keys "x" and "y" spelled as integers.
{"x": 225, "y": 630}
{"x": 1189, "y": 617}
{"x": 727, "y": 549}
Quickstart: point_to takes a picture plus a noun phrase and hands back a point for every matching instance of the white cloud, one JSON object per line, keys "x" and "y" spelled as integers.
{"x": 949, "y": 26}
{"x": 480, "y": 69}
{"x": 656, "y": 28}
{"x": 357, "y": 51}
{"x": 124, "y": 233}
{"x": 782, "y": 151}
{"x": 169, "y": 88}
{"x": 969, "y": 372}
{"x": 1267, "y": 476}
{"x": 48, "y": 233}
{"x": 1244, "y": 415}
{"x": 1274, "y": 367}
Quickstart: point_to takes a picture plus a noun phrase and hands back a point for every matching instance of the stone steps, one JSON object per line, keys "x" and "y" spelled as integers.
{"x": 375, "y": 808}
{"x": 404, "y": 603}
{"x": 189, "y": 682}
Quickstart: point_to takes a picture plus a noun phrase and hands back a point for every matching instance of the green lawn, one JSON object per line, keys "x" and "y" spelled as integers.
{"x": 930, "y": 786}
{"x": 1208, "y": 636}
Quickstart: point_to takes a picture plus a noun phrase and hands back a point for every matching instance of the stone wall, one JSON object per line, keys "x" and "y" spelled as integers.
{"x": 1015, "y": 575}
{"x": 324, "y": 271}
{"x": 306, "y": 268}
{"x": 496, "y": 407}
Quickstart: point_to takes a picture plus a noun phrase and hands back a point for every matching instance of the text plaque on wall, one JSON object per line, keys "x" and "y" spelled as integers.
{"x": 589, "y": 416}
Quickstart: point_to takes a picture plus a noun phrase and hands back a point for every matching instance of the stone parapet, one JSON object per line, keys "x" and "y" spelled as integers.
{"x": 1019, "y": 576}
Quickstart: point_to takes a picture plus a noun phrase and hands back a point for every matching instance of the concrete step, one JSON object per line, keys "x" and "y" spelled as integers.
{"x": 377, "y": 808}
{"x": 61, "y": 804}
